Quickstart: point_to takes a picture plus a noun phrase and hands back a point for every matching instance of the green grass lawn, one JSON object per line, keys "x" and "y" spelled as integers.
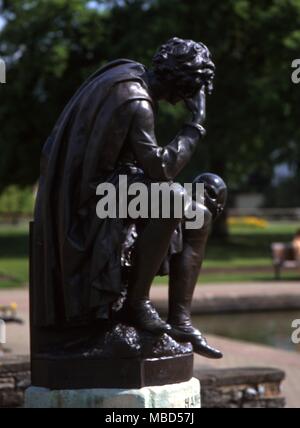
{"x": 247, "y": 247}
{"x": 245, "y": 277}
{"x": 13, "y": 256}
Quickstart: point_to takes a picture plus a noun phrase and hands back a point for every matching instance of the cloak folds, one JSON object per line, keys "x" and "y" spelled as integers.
{"x": 75, "y": 255}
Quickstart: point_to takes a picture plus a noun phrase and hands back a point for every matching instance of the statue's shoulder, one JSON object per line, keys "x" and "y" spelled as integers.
{"x": 121, "y": 69}
{"x": 129, "y": 73}
{"x": 124, "y": 64}
{"x": 129, "y": 79}
{"x": 134, "y": 89}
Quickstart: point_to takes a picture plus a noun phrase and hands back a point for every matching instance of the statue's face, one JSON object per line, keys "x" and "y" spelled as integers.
{"x": 188, "y": 86}
{"x": 176, "y": 93}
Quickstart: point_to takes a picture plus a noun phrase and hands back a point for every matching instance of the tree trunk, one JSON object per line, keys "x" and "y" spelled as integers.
{"x": 220, "y": 228}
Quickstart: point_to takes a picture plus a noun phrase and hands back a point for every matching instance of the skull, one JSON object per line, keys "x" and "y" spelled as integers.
{"x": 215, "y": 193}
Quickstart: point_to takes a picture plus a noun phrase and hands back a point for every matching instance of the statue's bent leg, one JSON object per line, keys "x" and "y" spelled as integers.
{"x": 185, "y": 268}
{"x": 151, "y": 249}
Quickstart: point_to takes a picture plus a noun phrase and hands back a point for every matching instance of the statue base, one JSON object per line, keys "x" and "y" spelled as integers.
{"x": 181, "y": 395}
{"x": 86, "y": 373}
{"x": 93, "y": 353}
{"x": 121, "y": 357}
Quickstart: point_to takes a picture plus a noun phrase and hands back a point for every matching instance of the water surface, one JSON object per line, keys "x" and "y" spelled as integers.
{"x": 268, "y": 328}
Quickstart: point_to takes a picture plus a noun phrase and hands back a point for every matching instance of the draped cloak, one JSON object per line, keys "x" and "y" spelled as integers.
{"x": 76, "y": 267}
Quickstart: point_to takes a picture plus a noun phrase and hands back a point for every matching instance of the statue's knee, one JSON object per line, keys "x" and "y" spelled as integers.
{"x": 177, "y": 201}
{"x": 208, "y": 218}
{"x": 199, "y": 213}
{"x": 205, "y": 215}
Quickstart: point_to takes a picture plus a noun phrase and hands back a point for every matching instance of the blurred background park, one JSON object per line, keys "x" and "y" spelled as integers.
{"x": 51, "y": 46}
{"x": 253, "y": 141}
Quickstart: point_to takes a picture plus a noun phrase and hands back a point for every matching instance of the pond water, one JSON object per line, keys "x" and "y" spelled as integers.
{"x": 267, "y": 328}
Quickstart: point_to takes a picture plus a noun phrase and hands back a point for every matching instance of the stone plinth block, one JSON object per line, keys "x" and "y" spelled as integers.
{"x": 181, "y": 395}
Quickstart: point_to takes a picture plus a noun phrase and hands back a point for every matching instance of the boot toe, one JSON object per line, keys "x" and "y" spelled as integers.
{"x": 202, "y": 348}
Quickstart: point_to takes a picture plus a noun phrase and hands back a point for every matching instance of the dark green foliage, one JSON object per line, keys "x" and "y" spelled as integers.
{"x": 253, "y": 118}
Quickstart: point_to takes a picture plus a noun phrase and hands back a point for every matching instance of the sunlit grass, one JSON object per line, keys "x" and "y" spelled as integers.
{"x": 247, "y": 248}
{"x": 13, "y": 256}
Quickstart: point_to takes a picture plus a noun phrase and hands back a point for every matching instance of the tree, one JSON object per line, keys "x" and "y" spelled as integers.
{"x": 253, "y": 114}
{"x": 50, "y": 47}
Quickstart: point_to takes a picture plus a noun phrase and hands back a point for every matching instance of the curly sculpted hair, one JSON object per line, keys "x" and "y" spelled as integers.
{"x": 185, "y": 63}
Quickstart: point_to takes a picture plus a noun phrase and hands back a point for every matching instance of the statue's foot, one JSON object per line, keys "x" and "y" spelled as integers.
{"x": 190, "y": 334}
{"x": 201, "y": 347}
{"x": 143, "y": 316}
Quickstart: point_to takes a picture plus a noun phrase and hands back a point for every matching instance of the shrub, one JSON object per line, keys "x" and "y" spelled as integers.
{"x": 16, "y": 200}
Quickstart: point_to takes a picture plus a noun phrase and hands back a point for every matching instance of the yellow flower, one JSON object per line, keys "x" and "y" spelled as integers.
{"x": 248, "y": 221}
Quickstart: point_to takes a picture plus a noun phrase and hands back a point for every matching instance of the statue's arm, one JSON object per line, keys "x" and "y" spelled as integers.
{"x": 159, "y": 163}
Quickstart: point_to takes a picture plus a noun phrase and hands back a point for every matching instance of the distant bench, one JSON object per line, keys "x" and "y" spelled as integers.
{"x": 284, "y": 257}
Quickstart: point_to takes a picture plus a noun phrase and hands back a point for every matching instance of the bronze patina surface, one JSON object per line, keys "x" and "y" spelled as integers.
{"x": 83, "y": 266}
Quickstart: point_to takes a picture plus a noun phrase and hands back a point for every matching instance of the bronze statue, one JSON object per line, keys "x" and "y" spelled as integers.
{"x": 107, "y": 130}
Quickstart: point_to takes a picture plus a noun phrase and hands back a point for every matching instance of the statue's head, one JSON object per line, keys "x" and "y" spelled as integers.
{"x": 215, "y": 193}
{"x": 183, "y": 67}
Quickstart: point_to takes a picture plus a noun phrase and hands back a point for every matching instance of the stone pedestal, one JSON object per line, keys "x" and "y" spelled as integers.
{"x": 181, "y": 395}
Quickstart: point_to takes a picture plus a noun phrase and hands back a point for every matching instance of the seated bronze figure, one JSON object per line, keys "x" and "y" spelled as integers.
{"x": 107, "y": 130}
